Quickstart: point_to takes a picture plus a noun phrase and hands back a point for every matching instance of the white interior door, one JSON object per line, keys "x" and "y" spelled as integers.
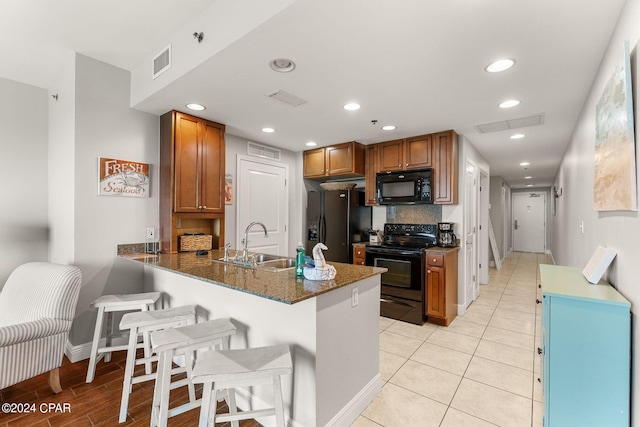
{"x": 263, "y": 196}
{"x": 470, "y": 232}
{"x": 529, "y": 221}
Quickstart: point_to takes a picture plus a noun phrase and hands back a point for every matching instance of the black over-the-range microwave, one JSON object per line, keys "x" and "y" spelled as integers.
{"x": 404, "y": 187}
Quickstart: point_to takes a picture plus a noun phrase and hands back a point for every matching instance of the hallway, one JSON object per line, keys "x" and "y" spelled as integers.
{"x": 481, "y": 371}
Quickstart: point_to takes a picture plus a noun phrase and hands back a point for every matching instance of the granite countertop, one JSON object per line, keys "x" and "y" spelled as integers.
{"x": 281, "y": 286}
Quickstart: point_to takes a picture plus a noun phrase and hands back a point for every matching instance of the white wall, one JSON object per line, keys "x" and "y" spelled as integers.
{"x": 103, "y": 126}
{"x": 617, "y": 230}
{"x": 498, "y": 213}
{"x": 297, "y": 202}
{"x": 24, "y": 229}
{"x": 61, "y": 160}
{"x": 455, "y": 213}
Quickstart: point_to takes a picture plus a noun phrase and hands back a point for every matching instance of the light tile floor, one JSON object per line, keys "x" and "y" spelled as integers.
{"x": 481, "y": 370}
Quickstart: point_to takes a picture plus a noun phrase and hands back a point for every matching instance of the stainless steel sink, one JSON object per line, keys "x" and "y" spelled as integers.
{"x": 277, "y": 264}
{"x": 266, "y": 262}
{"x": 266, "y": 258}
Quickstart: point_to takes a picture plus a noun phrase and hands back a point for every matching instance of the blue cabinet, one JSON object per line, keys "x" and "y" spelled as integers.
{"x": 586, "y": 355}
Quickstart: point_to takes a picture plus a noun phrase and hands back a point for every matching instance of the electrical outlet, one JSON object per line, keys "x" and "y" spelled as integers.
{"x": 354, "y": 297}
{"x": 151, "y": 233}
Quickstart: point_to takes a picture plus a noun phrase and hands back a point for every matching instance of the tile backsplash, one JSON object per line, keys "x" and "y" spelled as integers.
{"x": 414, "y": 214}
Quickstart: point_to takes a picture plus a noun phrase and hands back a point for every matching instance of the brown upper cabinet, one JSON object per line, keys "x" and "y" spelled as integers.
{"x": 445, "y": 159}
{"x": 437, "y": 150}
{"x": 408, "y": 153}
{"x": 370, "y": 171}
{"x": 199, "y": 164}
{"x": 192, "y": 168}
{"x": 337, "y": 161}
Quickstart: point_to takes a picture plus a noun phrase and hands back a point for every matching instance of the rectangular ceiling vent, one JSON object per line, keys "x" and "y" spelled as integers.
{"x": 534, "y": 120}
{"x": 161, "y": 62}
{"x": 286, "y": 97}
{"x": 262, "y": 151}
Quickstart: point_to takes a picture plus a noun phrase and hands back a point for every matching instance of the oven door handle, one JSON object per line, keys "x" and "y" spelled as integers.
{"x": 384, "y": 251}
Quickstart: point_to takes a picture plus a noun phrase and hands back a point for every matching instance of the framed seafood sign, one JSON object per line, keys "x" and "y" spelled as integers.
{"x": 123, "y": 178}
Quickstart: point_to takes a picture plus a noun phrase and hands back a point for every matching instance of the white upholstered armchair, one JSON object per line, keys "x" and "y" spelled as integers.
{"x": 37, "y": 306}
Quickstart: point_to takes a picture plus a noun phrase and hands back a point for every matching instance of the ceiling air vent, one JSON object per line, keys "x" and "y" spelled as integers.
{"x": 535, "y": 120}
{"x": 286, "y": 97}
{"x": 162, "y": 62}
{"x": 262, "y": 151}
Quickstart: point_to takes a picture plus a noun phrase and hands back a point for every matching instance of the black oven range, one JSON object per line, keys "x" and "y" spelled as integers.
{"x": 402, "y": 252}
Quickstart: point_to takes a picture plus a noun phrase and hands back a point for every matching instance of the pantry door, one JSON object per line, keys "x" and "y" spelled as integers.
{"x": 529, "y": 221}
{"x": 262, "y": 195}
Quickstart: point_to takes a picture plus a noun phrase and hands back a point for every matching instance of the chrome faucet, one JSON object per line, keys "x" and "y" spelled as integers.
{"x": 226, "y": 252}
{"x": 246, "y": 238}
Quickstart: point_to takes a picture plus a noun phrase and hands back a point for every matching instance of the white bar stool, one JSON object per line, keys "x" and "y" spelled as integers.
{"x": 145, "y": 322}
{"x": 183, "y": 340}
{"x": 108, "y": 304}
{"x": 228, "y": 369}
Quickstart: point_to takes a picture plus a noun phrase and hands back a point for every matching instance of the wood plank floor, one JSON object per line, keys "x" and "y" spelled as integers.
{"x": 94, "y": 404}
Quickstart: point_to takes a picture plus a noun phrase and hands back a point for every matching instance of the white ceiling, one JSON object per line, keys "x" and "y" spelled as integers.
{"x": 418, "y": 64}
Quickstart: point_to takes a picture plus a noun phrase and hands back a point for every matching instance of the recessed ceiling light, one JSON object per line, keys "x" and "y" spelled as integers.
{"x": 282, "y": 65}
{"x": 196, "y": 107}
{"x": 311, "y": 144}
{"x": 352, "y": 106}
{"x": 500, "y": 65}
{"x": 528, "y": 177}
{"x": 389, "y": 127}
{"x": 517, "y": 136}
{"x": 268, "y": 130}
{"x": 529, "y": 185}
{"x": 509, "y": 103}
{"x": 524, "y": 164}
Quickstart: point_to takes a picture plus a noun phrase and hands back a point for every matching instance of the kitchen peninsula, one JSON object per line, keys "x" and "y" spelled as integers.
{"x": 331, "y": 326}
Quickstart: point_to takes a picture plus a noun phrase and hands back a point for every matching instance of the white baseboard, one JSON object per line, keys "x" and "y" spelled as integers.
{"x": 548, "y": 252}
{"x": 76, "y": 353}
{"x": 462, "y": 309}
{"x": 352, "y": 410}
{"x": 345, "y": 417}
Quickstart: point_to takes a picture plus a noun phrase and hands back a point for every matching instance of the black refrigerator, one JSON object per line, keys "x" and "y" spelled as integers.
{"x": 336, "y": 218}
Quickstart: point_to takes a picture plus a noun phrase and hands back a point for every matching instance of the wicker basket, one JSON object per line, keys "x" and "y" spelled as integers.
{"x": 196, "y": 242}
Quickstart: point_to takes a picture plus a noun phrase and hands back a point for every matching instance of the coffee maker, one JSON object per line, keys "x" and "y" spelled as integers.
{"x": 446, "y": 238}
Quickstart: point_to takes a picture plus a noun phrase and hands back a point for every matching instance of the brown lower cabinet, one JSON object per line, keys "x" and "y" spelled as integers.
{"x": 441, "y": 286}
{"x": 358, "y": 254}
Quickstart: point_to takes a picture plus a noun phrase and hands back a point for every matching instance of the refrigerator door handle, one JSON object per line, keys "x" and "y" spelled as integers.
{"x": 323, "y": 228}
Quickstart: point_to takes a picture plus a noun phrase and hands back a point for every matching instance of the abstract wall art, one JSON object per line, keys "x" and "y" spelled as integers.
{"x": 614, "y": 185}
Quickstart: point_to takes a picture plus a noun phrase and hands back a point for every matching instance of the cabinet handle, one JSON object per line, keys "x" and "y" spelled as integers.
{"x": 407, "y": 164}
{"x": 428, "y": 271}
{"x": 538, "y": 301}
{"x": 204, "y": 207}
{"x": 539, "y": 380}
{"x": 539, "y": 350}
{"x": 434, "y": 260}
{"x": 200, "y": 207}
